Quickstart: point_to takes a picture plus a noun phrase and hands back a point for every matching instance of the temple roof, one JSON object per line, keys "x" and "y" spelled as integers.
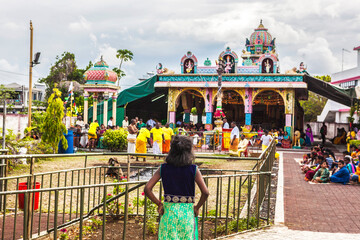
{"x": 262, "y": 34}
{"x": 100, "y": 74}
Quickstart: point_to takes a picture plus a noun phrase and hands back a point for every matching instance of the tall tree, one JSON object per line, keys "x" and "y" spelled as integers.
{"x": 63, "y": 70}
{"x": 124, "y": 55}
{"x": 315, "y": 103}
{"x": 53, "y": 127}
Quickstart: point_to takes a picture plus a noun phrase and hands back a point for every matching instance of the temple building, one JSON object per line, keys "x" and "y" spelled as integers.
{"x": 254, "y": 92}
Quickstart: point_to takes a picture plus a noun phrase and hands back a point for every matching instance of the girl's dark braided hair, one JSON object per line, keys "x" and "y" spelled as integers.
{"x": 181, "y": 152}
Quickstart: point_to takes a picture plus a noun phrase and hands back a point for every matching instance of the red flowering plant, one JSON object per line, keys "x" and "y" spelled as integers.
{"x": 64, "y": 235}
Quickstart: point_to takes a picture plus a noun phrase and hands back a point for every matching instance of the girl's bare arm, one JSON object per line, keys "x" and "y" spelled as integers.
{"x": 204, "y": 191}
{"x": 149, "y": 186}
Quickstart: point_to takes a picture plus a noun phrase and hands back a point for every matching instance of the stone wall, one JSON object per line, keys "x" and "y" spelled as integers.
{"x": 15, "y": 122}
{"x": 331, "y": 128}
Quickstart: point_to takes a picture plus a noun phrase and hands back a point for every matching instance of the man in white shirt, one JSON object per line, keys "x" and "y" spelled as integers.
{"x": 265, "y": 139}
{"x": 125, "y": 122}
{"x": 151, "y": 122}
{"x": 226, "y": 124}
{"x": 80, "y": 122}
{"x": 234, "y": 139}
{"x": 243, "y": 145}
{"x": 110, "y": 122}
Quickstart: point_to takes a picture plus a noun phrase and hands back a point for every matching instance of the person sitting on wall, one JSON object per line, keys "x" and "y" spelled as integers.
{"x": 286, "y": 142}
{"x": 341, "y": 138}
{"x": 243, "y": 146}
{"x": 342, "y": 175}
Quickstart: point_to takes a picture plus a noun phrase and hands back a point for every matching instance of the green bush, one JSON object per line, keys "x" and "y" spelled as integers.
{"x": 115, "y": 140}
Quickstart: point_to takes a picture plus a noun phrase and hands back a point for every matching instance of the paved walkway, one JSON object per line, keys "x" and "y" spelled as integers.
{"x": 318, "y": 207}
{"x": 313, "y": 211}
{"x": 283, "y": 233}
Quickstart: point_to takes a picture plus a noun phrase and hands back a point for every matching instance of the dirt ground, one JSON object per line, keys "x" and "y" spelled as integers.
{"x": 114, "y": 230}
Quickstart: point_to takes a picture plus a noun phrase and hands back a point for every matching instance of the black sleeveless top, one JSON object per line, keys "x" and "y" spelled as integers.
{"x": 178, "y": 183}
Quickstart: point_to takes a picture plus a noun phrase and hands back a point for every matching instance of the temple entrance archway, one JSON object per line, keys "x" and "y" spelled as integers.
{"x": 268, "y": 110}
{"x": 233, "y": 106}
{"x": 185, "y": 102}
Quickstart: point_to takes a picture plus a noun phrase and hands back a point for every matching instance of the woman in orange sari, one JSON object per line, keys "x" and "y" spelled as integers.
{"x": 168, "y": 134}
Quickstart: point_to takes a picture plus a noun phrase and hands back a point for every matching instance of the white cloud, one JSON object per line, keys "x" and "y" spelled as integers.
{"x": 93, "y": 38}
{"x": 10, "y": 26}
{"x": 80, "y": 25}
{"x": 103, "y": 35}
{"x": 319, "y": 56}
{"x": 5, "y": 65}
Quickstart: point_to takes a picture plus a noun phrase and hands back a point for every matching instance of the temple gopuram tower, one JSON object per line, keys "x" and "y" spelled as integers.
{"x": 101, "y": 83}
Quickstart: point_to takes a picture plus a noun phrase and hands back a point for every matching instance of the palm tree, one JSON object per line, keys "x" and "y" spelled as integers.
{"x": 124, "y": 55}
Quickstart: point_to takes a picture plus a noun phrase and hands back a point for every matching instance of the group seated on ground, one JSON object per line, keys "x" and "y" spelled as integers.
{"x": 321, "y": 166}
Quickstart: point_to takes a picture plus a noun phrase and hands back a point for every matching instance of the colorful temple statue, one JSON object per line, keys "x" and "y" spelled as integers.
{"x": 189, "y": 66}
{"x": 229, "y": 65}
{"x": 189, "y": 63}
{"x": 159, "y": 68}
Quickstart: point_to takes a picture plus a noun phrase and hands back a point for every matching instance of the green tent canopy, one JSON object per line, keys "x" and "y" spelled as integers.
{"x": 126, "y": 96}
{"x": 330, "y": 91}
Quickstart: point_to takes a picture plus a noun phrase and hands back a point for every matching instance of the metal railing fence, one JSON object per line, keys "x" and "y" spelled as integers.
{"x": 223, "y": 208}
{"x": 72, "y": 196}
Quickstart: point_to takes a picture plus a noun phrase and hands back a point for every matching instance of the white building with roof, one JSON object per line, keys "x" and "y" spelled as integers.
{"x": 334, "y": 112}
{"x": 20, "y": 99}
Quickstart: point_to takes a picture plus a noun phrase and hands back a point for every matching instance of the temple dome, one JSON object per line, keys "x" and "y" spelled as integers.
{"x": 100, "y": 74}
{"x": 262, "y": 34}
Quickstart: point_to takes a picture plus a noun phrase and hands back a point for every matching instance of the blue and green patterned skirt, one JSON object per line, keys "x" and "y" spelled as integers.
{"x": 178, "y": 222}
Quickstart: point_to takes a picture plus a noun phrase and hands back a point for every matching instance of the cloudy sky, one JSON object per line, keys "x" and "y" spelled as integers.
{"x": 163, "y": 31}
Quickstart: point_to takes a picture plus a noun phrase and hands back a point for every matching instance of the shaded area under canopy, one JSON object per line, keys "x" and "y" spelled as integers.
{"x": 337, "y": 94}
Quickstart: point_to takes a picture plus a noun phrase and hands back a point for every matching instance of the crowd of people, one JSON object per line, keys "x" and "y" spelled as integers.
{"x": 322, "y": 166}
{"x": 142, "y": 135}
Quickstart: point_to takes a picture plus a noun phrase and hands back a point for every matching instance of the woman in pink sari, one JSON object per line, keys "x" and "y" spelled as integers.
{"x": 309, "y": 136}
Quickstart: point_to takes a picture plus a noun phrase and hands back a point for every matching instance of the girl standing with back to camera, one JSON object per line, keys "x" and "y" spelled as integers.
{"x": 179, "y": 174}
